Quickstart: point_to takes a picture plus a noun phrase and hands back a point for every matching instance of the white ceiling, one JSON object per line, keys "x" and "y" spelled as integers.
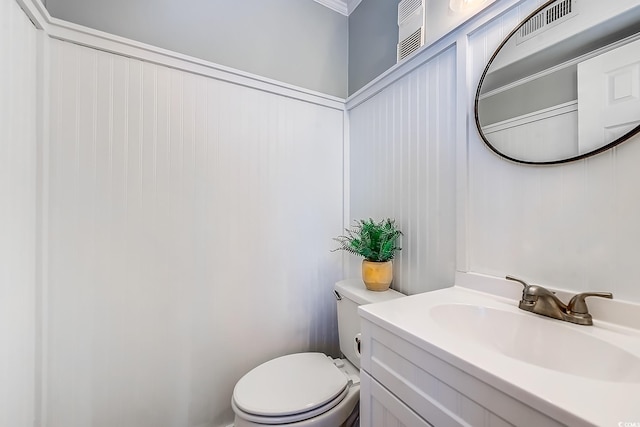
{"x": 344, "y": 7}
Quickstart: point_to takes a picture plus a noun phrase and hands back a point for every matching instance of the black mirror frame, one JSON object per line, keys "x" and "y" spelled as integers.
{"x": 618, "y": 141}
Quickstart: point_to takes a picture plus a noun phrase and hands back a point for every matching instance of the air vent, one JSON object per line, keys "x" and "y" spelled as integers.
{"x": 409, "y": 45}
{"x": 406, "y": 8}
{"x": 559, "y": 11}
{"x": 532, "y": 25}
{"x": 546, "y": 19}
{"x": 411, "y": 26}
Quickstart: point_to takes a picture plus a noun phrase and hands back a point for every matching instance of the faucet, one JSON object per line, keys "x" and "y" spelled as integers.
{"x": 540, "y": 300}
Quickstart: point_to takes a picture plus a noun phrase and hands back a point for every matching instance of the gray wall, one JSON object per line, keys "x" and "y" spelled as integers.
{"x": 373, "y": 37}
{"x": 295, "y": 41}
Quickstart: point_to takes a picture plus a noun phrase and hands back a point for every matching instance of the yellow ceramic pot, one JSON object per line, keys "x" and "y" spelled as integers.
{"x": 377, "y": 276}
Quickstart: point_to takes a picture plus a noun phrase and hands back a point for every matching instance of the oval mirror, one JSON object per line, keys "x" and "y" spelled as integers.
{"x": 565, "y": 83}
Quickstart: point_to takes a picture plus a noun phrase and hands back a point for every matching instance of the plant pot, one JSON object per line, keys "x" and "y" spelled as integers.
{"x": 377, "y": 276}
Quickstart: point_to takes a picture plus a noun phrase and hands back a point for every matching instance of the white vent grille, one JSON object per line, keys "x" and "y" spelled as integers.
{"x": 409, "y": 45}
{"x": 532, "y": 25}
{"x": 559, "y": 11}
{"x": 411, "y": 26}
{"x": 547, "y": 18}
{"x": 407, "y": 8}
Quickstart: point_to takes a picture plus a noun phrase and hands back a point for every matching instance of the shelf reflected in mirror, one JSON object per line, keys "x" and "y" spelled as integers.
{"x": 565, "y": 83}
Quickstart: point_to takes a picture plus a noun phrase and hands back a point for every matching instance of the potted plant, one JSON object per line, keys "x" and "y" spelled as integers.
{"x": 377, "y": 243}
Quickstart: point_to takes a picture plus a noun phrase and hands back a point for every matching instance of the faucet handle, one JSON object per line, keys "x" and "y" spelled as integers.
{"x": 578, "y": 305}
{"x": 527, "y": 299}
{"x": 515, "y": 279}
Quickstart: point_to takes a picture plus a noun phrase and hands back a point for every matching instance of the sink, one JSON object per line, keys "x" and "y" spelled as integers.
{"x": 538, "y": 341}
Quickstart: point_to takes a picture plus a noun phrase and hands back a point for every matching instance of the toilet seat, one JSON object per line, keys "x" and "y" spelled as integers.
{"x": 288, "y": 419}
{"x": 291, "y": 388}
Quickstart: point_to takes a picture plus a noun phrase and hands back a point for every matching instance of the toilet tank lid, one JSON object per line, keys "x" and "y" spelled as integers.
{"x": 355, "y": 290}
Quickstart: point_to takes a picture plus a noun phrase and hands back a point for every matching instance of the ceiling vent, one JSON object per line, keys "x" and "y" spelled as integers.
{"x": 547, "y": 18}
{"x": 411, "y": 23}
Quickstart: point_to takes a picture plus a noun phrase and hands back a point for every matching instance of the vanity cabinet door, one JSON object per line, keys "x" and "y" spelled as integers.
{"x": 431, "y": 388}
{"x": 380, "y": 408}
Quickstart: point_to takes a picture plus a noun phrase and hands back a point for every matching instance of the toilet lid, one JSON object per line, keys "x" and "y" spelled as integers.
{"x": 290, "y": 385}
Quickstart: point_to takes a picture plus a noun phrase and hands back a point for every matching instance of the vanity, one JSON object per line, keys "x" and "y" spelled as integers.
{"x": 468, "y": 356}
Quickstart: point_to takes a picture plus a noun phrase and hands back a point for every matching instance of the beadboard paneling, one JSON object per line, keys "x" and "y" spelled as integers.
{"x": 17, "y": 215}
{"x": 190, "y": 225}
{"x": 402, "y": 151}
{"x": 573, "y": 226}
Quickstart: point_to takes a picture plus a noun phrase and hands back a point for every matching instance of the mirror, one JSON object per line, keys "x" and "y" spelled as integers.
{"x": 565, "y": 83}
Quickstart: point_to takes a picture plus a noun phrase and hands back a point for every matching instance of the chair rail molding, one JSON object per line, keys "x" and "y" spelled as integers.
{"x": 89, "y": 37}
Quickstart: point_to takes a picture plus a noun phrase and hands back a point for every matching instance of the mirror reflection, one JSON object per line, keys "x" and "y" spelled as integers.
{"x": 565, "y": 84}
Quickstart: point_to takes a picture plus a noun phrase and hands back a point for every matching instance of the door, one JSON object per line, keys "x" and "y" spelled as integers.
{"x": 608, "y": 96}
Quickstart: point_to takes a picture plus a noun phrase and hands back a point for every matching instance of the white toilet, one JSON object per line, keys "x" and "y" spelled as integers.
{"x": 310, "y": 389}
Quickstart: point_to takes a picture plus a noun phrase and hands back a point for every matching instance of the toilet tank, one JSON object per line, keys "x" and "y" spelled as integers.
{"x": 350, "y": 294}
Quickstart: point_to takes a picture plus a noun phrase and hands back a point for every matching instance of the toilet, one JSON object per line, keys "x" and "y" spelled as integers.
{"x": 310, "y": 389}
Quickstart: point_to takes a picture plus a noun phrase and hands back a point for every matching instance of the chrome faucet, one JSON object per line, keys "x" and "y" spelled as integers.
{"x": 540, "y": 300}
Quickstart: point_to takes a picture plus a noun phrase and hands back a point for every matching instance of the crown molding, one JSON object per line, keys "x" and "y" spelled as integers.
{"x": 345, "y": 7}
{"x": 339, "y": 6}
{"x": 352, "y": 4}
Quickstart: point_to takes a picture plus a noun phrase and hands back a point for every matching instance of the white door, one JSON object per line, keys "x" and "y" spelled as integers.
{"x": 608, "y": 96}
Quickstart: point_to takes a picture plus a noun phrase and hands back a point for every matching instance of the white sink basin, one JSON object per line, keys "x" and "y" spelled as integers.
{"x": 539, "y": 341}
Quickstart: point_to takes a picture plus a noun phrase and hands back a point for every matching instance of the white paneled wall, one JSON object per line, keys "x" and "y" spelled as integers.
{"x": 17, "y": 216}
{"x": 402, "y": 151}
{"x": 572, "y": 226}
{"x": 190, "y": 233}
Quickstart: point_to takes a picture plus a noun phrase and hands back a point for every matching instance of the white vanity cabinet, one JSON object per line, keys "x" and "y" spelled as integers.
{"x": 464, "y": 357}
{"x": 379, "y": 406}
{"x": 405, "y": 385}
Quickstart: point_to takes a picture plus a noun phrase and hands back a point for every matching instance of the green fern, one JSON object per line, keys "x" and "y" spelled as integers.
{"x": 375, "y": 241}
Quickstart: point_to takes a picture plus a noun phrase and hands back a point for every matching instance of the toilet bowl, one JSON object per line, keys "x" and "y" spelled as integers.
{"x": 310, "y": 389}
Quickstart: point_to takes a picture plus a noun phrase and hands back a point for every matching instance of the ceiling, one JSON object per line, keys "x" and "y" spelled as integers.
{"x": 344, "y": 7}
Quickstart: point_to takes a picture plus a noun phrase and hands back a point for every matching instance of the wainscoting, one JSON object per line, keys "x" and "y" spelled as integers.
{"x": 402, "y": 165}
{"x": 185, "y": 218}
{"x": 571, "y": 226}
{"x": 190, "y": 224}
{"x": 18, "y": 47}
